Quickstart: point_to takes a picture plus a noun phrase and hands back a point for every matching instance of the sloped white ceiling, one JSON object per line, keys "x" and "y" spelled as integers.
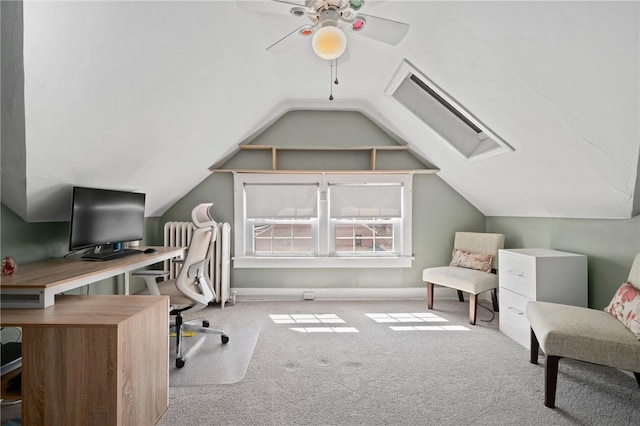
{"x": 147, "y": 95}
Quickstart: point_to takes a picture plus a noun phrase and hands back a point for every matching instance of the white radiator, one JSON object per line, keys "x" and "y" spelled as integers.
{"x": 222, "y": 262}
{"x": 178, "y": 234}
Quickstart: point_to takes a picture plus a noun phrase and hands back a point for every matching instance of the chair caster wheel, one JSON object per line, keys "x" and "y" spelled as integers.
{"x": 225, "y": 339}
{"x": 180, "y": 363}
{"x": 205, "y": 323}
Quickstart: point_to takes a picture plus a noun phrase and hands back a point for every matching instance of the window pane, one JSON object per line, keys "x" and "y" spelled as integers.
{"x": 303, "y": 246}
{"x": 282, "y": 231}
{"x": 363, "y": 237}
{"x": 384, "y": 244}
{"x": 280, "y": 245}
{"x": 385, "y": 230}
{"x": 302, "y": 231}
{"x": 283, "y": 238}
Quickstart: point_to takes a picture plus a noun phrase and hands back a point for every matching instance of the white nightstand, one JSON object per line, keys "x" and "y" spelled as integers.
{"x": 537, "y": 274}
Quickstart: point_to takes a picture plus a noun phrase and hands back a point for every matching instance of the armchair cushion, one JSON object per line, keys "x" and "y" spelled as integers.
{"x": 464, "y": 279}
{"x": 584, "y": 334}
{"x": 465, "y": 259}
{"x": 625, "y": 307}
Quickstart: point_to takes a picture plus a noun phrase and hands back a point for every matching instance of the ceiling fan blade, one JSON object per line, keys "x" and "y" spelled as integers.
{"x": 382, "y": 29}
{"x": 286, "y": 41}
{"x": 279, "y": 7}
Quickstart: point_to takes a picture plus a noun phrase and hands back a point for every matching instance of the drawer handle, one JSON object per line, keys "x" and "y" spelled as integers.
{"x": 518, "y": 273}
{"x": 517, "y": 311}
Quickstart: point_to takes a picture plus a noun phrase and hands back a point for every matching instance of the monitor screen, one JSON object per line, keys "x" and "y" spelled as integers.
{"x": 103, "y": 216}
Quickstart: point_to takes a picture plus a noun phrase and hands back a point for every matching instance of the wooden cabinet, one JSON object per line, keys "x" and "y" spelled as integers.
{"x": 94, "y": 360}
{"x": 537, "y": 274}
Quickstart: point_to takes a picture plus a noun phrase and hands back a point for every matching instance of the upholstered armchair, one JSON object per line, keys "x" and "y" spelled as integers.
{"x": 609, "y": 337}
{"x": 473, "y": 269}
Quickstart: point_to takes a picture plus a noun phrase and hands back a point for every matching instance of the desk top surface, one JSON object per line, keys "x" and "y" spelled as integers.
{"x": 98, "y": 310}
{"x": 53, "y": 272}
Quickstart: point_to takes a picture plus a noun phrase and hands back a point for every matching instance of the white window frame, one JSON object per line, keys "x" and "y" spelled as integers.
{"x": 325, "y": 255}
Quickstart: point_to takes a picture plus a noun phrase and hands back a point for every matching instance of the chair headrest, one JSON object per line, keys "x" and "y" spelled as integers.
{"x": 201, "y": 217}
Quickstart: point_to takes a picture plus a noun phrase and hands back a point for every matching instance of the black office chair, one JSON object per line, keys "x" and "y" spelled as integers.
{"x": 192, "y": 289}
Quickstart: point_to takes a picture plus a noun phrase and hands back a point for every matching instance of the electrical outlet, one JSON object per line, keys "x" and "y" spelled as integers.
{"x": 308, "y": 295}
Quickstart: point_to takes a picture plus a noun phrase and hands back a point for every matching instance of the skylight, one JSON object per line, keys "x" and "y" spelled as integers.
{"x": 461, "y": 130}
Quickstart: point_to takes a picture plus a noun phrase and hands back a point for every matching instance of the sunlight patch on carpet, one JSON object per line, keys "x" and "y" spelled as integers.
{"x": 306, "y": 319}
{"x": 325, "y": 329}
{"x": 406, "y": 317}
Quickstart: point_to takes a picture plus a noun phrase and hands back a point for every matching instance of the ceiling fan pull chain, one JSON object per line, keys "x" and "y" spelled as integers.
{"x": 336, "y": 80}
{"x": 330, "y": 82}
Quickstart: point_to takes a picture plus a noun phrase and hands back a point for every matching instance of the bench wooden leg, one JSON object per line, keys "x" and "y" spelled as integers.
{"x": 535, "y": 346}
{"x": 550, "y": 380}
{"x": 429, "y": 295}
{"x": 637, "y": 377}
{"x": 494, "y": 300}
{"x": 460, "y": 296}
{"x": 473, "y": 308}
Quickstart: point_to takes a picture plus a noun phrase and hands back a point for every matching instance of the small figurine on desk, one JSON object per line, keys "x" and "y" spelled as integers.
{"x": 8, "y": 266}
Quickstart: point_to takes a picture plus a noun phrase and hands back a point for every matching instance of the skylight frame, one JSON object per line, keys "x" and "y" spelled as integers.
{"x": 479, "y": 141}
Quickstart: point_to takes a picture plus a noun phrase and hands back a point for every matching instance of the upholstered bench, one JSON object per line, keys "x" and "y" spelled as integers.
{"x": 583, "y": 334}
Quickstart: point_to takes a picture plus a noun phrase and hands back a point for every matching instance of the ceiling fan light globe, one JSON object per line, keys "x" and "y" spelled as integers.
{"x": 329, "y": 42}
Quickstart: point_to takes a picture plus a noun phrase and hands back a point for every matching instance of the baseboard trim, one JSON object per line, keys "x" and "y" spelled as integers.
{"x": 284, "y": 294}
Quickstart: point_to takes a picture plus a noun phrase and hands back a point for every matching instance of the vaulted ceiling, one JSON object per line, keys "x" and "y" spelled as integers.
{"x": 147, "y": 95}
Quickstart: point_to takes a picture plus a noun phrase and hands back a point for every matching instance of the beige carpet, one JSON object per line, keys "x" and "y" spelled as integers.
{"x": 392, "y": 363}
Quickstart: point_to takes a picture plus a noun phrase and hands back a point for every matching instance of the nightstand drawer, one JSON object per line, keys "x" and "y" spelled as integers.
{"x": 513, "y": 321}
{"x": 517, "y": 273}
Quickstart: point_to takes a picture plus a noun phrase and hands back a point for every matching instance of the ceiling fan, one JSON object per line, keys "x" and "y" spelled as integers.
{"x": 328, "y": 21}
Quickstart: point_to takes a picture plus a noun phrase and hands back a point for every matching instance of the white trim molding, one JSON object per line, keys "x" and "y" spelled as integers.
{"x": 246, "y": 294}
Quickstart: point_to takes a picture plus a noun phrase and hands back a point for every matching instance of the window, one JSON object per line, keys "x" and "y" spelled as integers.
{"x": 281, "y": 219}
{"x": 322, "y": 220}
{"x": 365, "y": 218}
{"x": 458, "y": 128}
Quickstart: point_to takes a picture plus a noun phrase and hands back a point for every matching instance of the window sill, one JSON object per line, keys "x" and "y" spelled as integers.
{"x": 323, "y": 262}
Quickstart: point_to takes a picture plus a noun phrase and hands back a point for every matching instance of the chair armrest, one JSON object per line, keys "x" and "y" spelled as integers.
{"x": 150, "y": 273}
{"x": 150, "y": 277}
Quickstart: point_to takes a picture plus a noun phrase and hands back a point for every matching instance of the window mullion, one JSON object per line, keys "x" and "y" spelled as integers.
{"x": 324, "y": 231}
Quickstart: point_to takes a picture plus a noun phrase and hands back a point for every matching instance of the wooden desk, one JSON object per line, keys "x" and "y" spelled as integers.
{"x": 34, "y": 285}
{"x": 94, "y": 360}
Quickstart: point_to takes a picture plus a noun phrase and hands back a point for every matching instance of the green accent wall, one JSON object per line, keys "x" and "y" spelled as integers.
{"x": 610, "y": 246}
{"x": 438, "y": 210}
{"x": 31, "y": 242}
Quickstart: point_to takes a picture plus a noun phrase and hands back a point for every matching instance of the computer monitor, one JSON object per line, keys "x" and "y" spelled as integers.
{"x": 104, "y": 216}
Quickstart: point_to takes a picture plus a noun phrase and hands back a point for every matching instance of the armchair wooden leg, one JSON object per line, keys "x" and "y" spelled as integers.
{"x": 460, "y": 296}
{"x": 550, "y": 380}
{"x": 430, "y": 295}
{"x": 473, "y": 308}
{"x": 494, "y": 300}
{"x": 535, "y": 347}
